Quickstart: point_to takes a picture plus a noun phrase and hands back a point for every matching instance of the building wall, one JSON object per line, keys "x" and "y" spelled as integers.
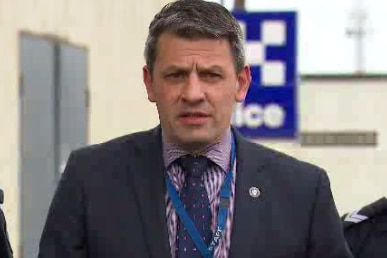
{"x": 114, "y": 32}
{"x": 358, "y": 174}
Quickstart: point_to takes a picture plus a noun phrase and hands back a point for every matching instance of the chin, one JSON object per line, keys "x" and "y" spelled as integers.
{"x": 195, "y": 140}
{"x": 198, "y": 139}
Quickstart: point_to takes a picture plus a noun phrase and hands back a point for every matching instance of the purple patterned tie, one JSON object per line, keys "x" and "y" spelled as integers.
{"x": 195, "y": 199}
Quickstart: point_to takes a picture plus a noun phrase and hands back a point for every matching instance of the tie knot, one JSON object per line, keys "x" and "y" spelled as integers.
{"x": 193, "y": 165}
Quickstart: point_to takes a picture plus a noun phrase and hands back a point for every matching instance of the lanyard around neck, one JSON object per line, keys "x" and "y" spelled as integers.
{"x": 225, "y": 195}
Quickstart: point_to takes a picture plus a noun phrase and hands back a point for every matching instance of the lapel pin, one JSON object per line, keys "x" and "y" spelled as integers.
{"x": 254, "y": 192}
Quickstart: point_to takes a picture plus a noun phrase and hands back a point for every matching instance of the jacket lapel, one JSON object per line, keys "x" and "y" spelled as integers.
{"x": 249, "y": 212}
{"x": 148, "y": 184}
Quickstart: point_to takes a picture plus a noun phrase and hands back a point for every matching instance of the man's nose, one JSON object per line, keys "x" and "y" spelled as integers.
{"x": 193, "y": 90}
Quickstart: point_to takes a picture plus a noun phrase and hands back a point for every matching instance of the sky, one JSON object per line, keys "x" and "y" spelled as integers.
{"x": 323, "y": 45}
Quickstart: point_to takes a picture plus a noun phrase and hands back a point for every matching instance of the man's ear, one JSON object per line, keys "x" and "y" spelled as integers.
{"x": 243, "y": 83}
{"x": 147, "y": 78}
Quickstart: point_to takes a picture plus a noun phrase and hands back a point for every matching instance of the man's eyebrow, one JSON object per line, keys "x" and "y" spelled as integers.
{"x": 186, "y": 69}
{"x": 216, "y": 68}
{"x": 175, "y": 68}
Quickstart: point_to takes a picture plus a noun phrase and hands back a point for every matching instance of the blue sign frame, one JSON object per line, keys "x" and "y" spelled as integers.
{"x": 270, "y": 111}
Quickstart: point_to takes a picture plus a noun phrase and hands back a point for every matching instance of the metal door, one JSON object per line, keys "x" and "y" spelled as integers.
{"x": 53, "y": 121}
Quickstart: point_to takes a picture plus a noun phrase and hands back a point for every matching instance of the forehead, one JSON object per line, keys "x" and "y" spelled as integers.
{"x": 172, "y": 49}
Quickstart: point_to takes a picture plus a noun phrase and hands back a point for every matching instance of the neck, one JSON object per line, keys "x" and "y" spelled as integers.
{"x": 196, "y": 148}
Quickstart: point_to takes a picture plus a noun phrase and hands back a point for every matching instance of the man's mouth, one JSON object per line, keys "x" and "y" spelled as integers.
{"x": 194, "y": 118}
{"x": 194, "y": 114}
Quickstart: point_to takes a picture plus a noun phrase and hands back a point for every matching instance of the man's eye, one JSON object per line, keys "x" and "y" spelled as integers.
{"x": 212, "y": 75}
{"x": 175, "y": 75}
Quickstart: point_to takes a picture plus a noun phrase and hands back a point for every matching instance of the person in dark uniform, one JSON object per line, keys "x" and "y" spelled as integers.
{"x": 5, "y": 247}
{"x": 366, "y": 230}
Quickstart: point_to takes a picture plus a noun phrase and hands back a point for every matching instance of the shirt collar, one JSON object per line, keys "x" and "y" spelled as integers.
{"x": 218, "y": 152}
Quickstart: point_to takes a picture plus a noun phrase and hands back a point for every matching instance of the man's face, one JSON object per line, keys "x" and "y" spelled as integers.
{"x": 195, "y": 86}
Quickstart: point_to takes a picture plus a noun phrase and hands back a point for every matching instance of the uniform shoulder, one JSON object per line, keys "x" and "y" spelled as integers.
{"x": 372, "y": 210}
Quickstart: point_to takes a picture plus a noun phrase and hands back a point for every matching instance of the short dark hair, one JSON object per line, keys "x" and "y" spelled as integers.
{"x": 195, "y": 19}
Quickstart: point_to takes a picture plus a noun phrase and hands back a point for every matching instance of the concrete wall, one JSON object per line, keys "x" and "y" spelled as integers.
{"x": 114, "y": 32}
{"x": 358, "y": 174}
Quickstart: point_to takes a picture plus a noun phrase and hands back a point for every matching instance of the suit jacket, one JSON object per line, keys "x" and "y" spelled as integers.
{"x": 366, "y": 230}
{"x": 110, "y": 202}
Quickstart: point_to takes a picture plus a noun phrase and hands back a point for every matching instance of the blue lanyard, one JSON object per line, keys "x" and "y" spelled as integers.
{"x": 225, "y": 194}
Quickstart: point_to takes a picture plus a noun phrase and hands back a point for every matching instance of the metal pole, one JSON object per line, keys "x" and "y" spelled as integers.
{"x": 360, "y": 24}
{"x": 357, "y": 30}
{"x": 239, "y": 5}
{"x": 360, "y": 50}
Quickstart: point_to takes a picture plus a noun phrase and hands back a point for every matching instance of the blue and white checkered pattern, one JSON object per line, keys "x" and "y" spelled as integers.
{"x": 270, "y": 46}
{"x": 273, "y": 72}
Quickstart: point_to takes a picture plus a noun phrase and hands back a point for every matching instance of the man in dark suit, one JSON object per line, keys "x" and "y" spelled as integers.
{"x": 193, "y": 186}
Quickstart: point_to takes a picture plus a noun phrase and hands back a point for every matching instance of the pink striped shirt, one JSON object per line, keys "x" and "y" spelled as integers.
{"x": 219, "y": 153}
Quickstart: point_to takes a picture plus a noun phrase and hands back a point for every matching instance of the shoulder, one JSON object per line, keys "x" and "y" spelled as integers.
{"x": 115, "y": 153}
{"x": 366, "y": 229}
{"x": 372, "y": 212}
{"x": 117, "y": 146}
{"x": 298, "y": 180}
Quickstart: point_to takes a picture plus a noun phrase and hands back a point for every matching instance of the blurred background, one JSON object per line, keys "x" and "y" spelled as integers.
{"x": 71, "y": 75}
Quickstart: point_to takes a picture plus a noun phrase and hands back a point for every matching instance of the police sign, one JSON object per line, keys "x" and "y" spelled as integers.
{"x": 269, "y": 110}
